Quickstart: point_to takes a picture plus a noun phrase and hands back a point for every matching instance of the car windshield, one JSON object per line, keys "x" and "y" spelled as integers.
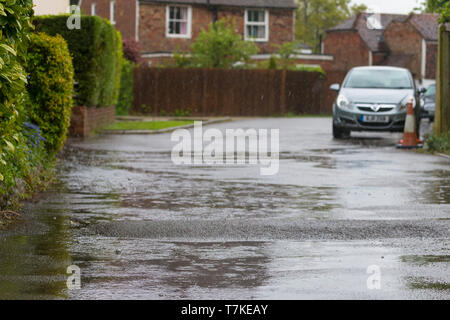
{"x": 431, "y": 91}
{"x": 379, "y": 79}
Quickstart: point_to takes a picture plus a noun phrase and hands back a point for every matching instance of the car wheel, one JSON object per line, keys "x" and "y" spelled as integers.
{"x": 340, "y": 133}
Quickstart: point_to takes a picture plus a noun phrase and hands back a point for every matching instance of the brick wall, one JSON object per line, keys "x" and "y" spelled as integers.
{"x": 378, "y": 57}
{"x": 152, "y": 24}
{"x": 125, "y": 14}
{"x": 152, "y": 27}
{"x": 85, "y": 121}
{"x": 403, "y": 39}
{"x": 348, "y": 48}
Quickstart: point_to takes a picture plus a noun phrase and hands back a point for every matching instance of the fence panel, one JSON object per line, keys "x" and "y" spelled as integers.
{"x": 215, "y": 92}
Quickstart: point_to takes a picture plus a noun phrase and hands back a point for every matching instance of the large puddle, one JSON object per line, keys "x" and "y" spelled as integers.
{"x": 140, "y": 227}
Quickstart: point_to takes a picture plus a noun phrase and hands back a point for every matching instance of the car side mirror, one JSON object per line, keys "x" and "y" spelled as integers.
{"x": 422, "y": 90}
{"x": 335, "y": 87}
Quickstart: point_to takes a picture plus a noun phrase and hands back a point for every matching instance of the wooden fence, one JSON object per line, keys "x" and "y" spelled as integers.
{"x": 214, "y": 92}
{"x": 442, "y": 116}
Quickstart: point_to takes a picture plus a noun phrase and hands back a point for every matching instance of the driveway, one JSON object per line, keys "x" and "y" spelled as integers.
{"x": 338, "y": 214}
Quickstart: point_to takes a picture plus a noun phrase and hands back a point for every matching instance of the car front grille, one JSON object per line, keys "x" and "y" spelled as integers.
{"x": 382, "y": 108}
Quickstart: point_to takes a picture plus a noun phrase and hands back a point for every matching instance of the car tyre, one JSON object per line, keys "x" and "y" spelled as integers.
{"x": 340, "y": 133}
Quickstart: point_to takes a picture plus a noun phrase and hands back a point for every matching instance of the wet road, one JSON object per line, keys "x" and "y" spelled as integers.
{"x": 140, "y": 227}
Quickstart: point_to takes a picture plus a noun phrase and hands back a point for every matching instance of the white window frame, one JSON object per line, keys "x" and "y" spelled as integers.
{"x": 252, "y": 23}
{"x": 112, "y": 12}
{"x": 94, "y": 9}
{"x": 137, "y": 20}
{"x": 188, "y": 34}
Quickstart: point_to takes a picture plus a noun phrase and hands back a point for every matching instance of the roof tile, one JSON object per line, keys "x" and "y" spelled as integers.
{"x": 426, "y": 24}
{"x": 288, "y": 4}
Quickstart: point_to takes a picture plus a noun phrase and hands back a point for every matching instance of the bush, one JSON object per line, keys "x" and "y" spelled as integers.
{"x": 272, "y": 64}
{"x": 438, "y": 144}
{"x": 221, "y": 47}
{"x": 96, "y": 51}
{"x": 50, "y": 88}
{"x": 126, "y": 88}
{"x": 131, "y": 51}
{"x": 14, "y": 21}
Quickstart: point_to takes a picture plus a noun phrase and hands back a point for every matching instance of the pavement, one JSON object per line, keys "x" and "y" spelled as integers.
{"x": 339, "y": 214}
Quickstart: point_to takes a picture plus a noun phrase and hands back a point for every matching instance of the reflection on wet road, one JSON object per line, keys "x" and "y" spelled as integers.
{"x": 140, "y": 227}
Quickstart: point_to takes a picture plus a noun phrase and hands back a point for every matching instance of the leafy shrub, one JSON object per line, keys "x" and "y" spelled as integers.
{"x": 182, "y": 60}
{"x": 15, "y": 25}
{"x": 181, "y": 113}
{"x": 307, "y": 68}
{"x": 96, "y": 57}
{"x": 221, "y": 47}
{"x": 272, "y": 64}
{"x": 126, "y": 88}
{"x": 438, "y": 144}
{"x": 50, "y": 88}
{"x": 117, "y": 70}
{"x": 131, "y": 51}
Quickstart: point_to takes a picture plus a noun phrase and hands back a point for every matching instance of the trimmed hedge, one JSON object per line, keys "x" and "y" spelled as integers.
{"x": 50, "y": 88}
{"x": 96, "y": 51}
{"x": 126, "y": 96}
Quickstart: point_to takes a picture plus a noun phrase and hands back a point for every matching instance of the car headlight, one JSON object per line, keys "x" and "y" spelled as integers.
{"x": 343, "y": 103}
{"x": 406, "y": 100}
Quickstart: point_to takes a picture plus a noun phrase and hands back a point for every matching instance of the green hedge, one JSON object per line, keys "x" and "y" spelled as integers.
{"x": 50, "y": 88}
{"x": 15, "y": 18}
{"x": 126, "y": 88}
{"x": 96, "y": 51}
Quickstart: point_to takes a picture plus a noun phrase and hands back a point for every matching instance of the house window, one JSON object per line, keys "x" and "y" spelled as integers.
{"x": 178, "y": 20}
{"x": 257, "y": 25}
{"x": 93, "y": 9}
{"x": 112, "y": 12}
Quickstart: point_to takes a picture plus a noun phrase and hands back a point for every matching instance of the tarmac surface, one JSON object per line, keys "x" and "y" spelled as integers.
{"x": 140, "y": 227}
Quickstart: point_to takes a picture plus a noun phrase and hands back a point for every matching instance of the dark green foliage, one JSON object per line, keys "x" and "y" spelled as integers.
{"x": 96, "y": 50}
{"x": 437, "y": 6}
{"x": 50, "y": 87}
{"x": 126, "y": 88}
{"x": 218, "y": 47}
{"x": 15, "y": 25}
{"x": 438, "y": 144}
{"x": 272, "y": 63}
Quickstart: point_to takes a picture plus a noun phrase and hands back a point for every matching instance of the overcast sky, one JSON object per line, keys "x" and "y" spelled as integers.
{"x": 391, "y": 6}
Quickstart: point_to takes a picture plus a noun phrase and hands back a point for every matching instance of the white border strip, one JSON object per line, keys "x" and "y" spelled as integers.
{"x": 254, "y": 57}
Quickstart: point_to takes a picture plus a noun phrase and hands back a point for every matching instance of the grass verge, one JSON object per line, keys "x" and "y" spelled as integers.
{"x": 147, "y": 125}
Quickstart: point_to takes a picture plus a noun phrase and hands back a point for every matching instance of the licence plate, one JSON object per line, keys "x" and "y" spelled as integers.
{"x": 376, "y": 119}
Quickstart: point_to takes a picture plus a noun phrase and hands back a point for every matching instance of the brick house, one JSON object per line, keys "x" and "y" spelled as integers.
{"x": 413, "y": 44}
{"x": 408, "y": 41}
{"x": 164, "y": 26}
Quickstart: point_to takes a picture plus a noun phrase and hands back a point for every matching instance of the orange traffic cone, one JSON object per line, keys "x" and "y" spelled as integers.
{"x": 410, "y": 139}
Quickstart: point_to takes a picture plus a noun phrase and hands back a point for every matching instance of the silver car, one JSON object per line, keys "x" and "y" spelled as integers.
{"x": 373, "y": 99}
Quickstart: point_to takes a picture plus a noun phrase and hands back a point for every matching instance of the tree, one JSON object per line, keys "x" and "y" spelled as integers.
{"x": 221, "y": 47}
{"x": 437, "y": 6}
{"x": 314, "y": 17}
